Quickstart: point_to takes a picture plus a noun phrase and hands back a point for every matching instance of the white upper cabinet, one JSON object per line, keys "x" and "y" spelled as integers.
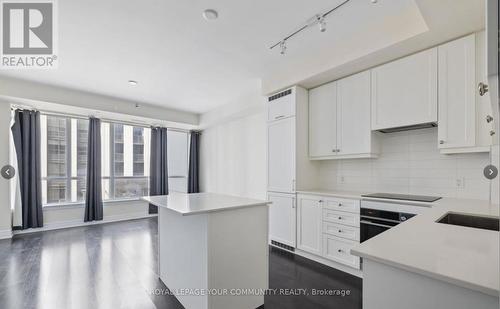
{"x": 404, "y": 92}
{"x": 281, "y": 155}
{"x": 281, "y": 105}
{"x": 354, "y": 134}
{"x": 322, "y": 120}
{"x": 465, "y": 121}
{"x": 339, "y": 119}
{"x": 457, "y": 100}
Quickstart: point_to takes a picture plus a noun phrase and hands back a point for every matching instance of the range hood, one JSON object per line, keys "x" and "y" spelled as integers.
{"x": 409, "y": 128}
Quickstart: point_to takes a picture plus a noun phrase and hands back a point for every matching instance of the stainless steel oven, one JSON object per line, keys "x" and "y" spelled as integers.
{"x": 375, "y": 221}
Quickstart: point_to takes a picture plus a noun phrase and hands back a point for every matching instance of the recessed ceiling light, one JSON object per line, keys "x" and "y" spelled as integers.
{"x": 133, "y": 82}
{"x": 210, "y": 14}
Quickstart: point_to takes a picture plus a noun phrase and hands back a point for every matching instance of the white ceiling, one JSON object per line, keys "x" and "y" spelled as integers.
{"x": 184, "y": 62}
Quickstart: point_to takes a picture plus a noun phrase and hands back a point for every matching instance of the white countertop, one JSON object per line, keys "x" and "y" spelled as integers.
{"x": 341, "y": 194}
{"x": 197, "y": 203}
{"x": 463, "y": 256}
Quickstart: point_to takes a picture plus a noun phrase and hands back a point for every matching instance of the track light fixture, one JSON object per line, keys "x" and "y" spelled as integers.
{"x": 321, "y": 23}
{"x": 318, "y": 19}
{"x": 283, "y": 47}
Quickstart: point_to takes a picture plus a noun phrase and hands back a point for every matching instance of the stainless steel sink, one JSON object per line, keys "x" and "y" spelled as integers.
{"x": 478, "y": 222}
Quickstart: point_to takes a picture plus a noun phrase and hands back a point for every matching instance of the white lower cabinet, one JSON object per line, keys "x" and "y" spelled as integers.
{"x": 282, "y": 218}
{"x": 328, "y": 227}
{"x": 309, "y": 224}
{"x": 339, "y": 250}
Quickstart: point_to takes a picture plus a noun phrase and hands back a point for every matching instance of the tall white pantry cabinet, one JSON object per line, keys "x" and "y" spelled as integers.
{"x": 289, "y": 167}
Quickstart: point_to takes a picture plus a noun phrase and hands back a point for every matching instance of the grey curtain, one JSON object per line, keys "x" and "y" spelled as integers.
{"x": 26, "y": 135}
{"x": 93, "y": 196}
{"x": 194, "y": 163}
{"x": 158, "y": 179}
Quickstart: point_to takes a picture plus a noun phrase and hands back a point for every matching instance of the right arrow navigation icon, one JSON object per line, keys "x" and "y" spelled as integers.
{"x": 490, "y": 171}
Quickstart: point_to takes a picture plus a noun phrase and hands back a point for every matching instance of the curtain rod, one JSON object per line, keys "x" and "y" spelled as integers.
{"x": 76, "y": 116}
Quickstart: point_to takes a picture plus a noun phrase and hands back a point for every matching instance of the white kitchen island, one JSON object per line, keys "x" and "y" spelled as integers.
{"x": 213, "y": 249}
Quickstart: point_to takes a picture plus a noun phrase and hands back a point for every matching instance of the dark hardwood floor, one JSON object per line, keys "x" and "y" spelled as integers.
{"x": 114, "y": 266}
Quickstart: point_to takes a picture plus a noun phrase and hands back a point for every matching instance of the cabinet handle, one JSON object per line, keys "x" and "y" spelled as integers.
{"x": 279, "y": 117}
{"x": 340, "y": 231}
{"x": 320, "y": 201}
{"x": 293, "y": 203}
{"x": 489, "y": 119}
{"x": 340, "y": 250}
{"x": 340, "y": 218}
{"x": 340, "y": 204}
{"x": 492, "y": 133}
{"x": 293, "y": 185}
{"x": 483, "y": 89}
{"x": 441, "y": 142}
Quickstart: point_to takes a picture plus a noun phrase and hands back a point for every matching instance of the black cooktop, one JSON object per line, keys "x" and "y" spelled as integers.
{"x": 404, "y": 197}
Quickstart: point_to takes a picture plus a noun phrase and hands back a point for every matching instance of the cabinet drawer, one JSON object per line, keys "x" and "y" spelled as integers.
{"x": 339, "y": 250}
{"x": 341, "y": 217}
{"x": 282, "y": 106}
{"x": 342, "y": 205}
{"x": 344, "y": 231}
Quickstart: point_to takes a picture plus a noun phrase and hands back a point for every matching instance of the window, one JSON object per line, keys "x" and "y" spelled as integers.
{"x": 64, "y": 159}
{"x": 125, "y": 168}
{"x": 124, "y": 160}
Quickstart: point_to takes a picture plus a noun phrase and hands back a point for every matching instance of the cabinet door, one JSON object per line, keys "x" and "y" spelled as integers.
{"x": 322, "y": 119}
{"x": 353, "y": 114}
{"x": 309, "y": 224}
{"x": 282, "y": 218}
{"x": 281, "y": 107}
{"x": 457, "y": 76}
{"x": 404, "y": 92}
{"x": 281, "y": 155}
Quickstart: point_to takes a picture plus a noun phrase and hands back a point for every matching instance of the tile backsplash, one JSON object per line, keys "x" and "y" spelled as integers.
{"x": 410, "y": 162}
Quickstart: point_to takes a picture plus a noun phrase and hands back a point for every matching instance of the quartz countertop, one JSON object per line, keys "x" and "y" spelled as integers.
{"x": 467, "y": 257}
{"x": 198, "y": 203}
{"x": 334, "y": 193}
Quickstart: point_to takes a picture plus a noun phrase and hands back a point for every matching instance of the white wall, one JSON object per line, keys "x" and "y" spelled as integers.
{"x": 233, "y": 150}
{"x": 5, "y": 214}
{"x": 411, "y": 163}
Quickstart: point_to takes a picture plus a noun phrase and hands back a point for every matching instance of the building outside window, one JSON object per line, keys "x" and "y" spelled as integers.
{"x": 64, "y": 159}
{"x": 124, "y": 160}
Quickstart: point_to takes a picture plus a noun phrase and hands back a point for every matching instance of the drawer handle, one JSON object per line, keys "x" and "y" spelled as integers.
{"x": 340, "y": 218}
{"x": 340, "y": 205}
{"x": 340, "y": 251}
{"x": 279, "y": 117}
{"x": 340, "y": 231}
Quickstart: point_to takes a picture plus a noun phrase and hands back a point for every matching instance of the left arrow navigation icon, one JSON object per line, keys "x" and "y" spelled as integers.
{"x": 8, "y": 172}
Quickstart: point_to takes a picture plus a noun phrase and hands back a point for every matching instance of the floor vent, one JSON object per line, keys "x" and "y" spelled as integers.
{"x": 283, "y": 246}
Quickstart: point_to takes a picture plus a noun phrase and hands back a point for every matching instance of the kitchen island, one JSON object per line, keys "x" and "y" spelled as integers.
{"x": 213, "y": 249}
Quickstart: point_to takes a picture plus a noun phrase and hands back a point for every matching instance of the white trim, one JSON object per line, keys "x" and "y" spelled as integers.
{"x": 78, "y": 223}
{"x": 5, "y": 234}
{"x": 63, "y": 205}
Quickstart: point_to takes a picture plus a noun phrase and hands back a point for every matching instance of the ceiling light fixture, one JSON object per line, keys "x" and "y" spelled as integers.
{"x": 321, "y": 23}
{"x": 210, "y": 14}
{"x": 316, "y": 19}
{"x": 133, "y": 82}
{"x": 283, "y": 47}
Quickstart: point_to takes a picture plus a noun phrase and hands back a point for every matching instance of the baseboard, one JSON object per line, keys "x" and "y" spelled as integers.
{"x": 5, "y": 234}
{"x": 79, "y": 223}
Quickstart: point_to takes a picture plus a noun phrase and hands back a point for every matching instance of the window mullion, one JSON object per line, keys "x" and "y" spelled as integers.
{"x": 68, "y": 159}
{"x": 111, "y": 161}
